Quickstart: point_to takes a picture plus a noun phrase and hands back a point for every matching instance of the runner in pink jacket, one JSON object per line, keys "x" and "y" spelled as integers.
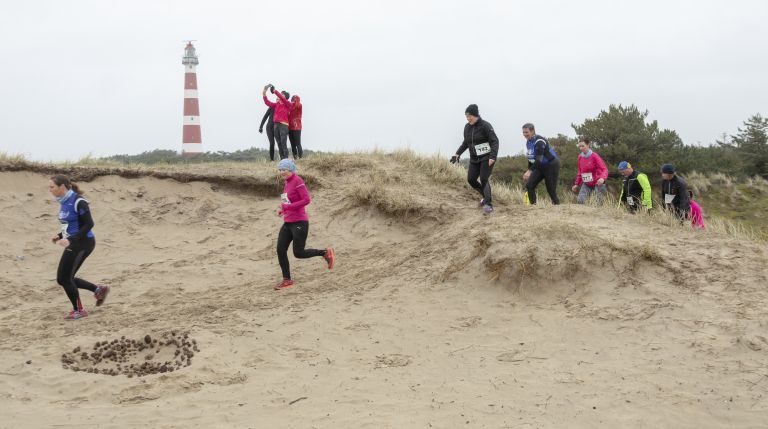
{"x": 295, "y": 198}
{"x": 696, "y": 215}
{"x": 591, "y": 176}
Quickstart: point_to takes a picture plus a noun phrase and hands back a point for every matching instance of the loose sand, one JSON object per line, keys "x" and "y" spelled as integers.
{"x": 532, "y": 318}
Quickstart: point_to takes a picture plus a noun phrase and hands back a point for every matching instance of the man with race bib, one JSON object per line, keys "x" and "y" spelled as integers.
{"x": 483, "y": 146}
{"x": 542, "y": 165}
{"x": 635, "y": 188}
{"x": 674, "y": 192}
{"x": 592, "y": 174}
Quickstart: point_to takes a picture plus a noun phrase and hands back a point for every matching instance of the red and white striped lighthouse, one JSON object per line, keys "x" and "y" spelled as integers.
{"x": 192, "y": 140}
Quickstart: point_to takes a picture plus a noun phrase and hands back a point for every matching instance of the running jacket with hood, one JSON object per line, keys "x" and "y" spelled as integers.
{"x": 593, "y": 165}
{"x": 294, "y": 119}
{"x": 539, "y": 152}
{"x": 295, "y": 197}
{"x": 696, "y": 216}
{"x": 481, "y": 141}
{"x": 282, "y": 107}
{"x": 637, "y": 186}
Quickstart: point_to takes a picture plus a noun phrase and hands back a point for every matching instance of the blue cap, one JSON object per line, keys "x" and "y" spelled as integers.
{"x": 286, "y": 164}
{"x": 623, "y": 165}
{"x": 668, "y": 169}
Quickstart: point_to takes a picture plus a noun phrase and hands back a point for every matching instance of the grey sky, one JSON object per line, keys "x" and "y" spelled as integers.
{"x": 105, "y": 77}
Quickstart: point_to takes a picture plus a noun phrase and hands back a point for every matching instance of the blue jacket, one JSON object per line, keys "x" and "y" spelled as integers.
{"x": 75, "y": 218}
{"x": 539, "y": 152}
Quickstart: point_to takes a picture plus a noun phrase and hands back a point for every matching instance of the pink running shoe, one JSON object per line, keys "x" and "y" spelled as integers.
{"x": 285, "y": 284}
{"x": 74, "y": 315}
{"x": 101, "y": 294}
{"x": 329, "y": 257}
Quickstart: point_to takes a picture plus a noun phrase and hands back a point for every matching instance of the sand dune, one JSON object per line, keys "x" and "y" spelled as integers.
{"x": 533, "y": 317}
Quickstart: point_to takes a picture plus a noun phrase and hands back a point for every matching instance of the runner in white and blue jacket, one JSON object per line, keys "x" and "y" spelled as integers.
{"x": 76, "y": 236}
{"x": 542, "y": 165}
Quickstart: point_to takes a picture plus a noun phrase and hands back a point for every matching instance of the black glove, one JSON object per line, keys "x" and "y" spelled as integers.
{"x": 454, "y": 159}
{"x": 261, "y": 130}
{"x": 271, "y": 88}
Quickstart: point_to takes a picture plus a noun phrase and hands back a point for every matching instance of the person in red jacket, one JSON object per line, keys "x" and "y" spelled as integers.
{"x": 294, "y": 127}
{"x": 295, "y": 228}
{"x": 591, "y": 176}
{"x": 282, "y": 110}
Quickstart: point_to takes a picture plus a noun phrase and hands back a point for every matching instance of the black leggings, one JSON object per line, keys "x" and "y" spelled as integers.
{"x": 295, "y": 137}
{"x": 281, "y": 137}
{"x": 548, "y": 173}
{"x": 296, "y": 232}
{"x": 483, "y": 171}
{"x": 70, "y": 262}
{"x": 271, "y": 138}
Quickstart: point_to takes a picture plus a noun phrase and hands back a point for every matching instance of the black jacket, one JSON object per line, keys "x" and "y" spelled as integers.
{"x": 476, "y": 137}
{"x": 269, "y": 118}
{"x": 681, "y": 201}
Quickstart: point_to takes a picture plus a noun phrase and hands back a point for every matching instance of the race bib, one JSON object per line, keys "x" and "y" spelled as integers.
{"x": 284, "y": 198}
{"x": 63, "y": 229}
{"x": 668, "y": 198}
{"x": 631, "y": 201}
{"x": 482, "y": 149}
{"x": 586, "y": 177}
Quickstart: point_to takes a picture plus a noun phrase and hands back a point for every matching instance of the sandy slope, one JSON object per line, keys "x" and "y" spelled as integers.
{"x": 536, "y": 317}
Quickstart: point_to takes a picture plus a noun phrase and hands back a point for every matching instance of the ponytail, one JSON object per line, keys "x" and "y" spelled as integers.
{"x": 61, "y": 179}
{"x": 76, "y": 188}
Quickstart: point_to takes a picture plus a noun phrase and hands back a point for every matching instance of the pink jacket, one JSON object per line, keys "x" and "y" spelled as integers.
{"x": 295, "y": 116}
{"x": 282, "y": 107}
{"x": 696, "y": 216}
{"x": 295, "y": 197}
{"x": 595, "y": 165}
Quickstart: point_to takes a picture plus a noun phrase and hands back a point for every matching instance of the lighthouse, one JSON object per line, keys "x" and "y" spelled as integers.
{"x": 192, "y": 140}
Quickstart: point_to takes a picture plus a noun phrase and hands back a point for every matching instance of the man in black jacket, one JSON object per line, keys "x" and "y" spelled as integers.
{"x": 674, "y": 192}
{"x": 483, "y": 146}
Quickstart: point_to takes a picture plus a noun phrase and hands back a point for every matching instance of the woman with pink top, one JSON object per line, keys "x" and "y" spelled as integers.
{"x": 294, "y": 198}
{"x": 591, "y": 176}
{"x": 695, "y": 214}
{"x": 282, "y": 110}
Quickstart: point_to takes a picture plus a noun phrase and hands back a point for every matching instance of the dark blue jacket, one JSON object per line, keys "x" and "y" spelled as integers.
{"x": 539, "y": 152}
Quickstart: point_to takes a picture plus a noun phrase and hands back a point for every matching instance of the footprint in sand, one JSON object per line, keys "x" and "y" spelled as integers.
{"x": 392, "y": 361}
{"x": 469, "y": 321}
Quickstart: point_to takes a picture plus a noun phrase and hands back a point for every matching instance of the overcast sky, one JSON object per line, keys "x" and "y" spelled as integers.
{"x": 105, "y": 77}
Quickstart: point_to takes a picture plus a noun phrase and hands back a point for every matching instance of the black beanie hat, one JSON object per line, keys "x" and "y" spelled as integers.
{"x": 286, "y": 94}
{"x": 472, "y": 110}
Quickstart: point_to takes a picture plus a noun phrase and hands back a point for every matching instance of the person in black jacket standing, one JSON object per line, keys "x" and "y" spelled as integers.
{"x": 483, "y": 146}
{"x": 674, "y": 192}
{"x": 269, "y": 119}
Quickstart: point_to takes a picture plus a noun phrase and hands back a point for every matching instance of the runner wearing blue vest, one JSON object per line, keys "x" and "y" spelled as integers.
{"x": 77, "y": 239}
{"x": 542, "y": 165}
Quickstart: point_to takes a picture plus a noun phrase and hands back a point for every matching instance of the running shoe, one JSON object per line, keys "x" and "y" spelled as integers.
{"x": 487, "y": 209}
{"x": 101, "y": 294}
{"x": 329, "y": 257}
{"x": 481, "y": 204}
{"x": 286, "y": 283}
{"x": 76, "y": 314}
